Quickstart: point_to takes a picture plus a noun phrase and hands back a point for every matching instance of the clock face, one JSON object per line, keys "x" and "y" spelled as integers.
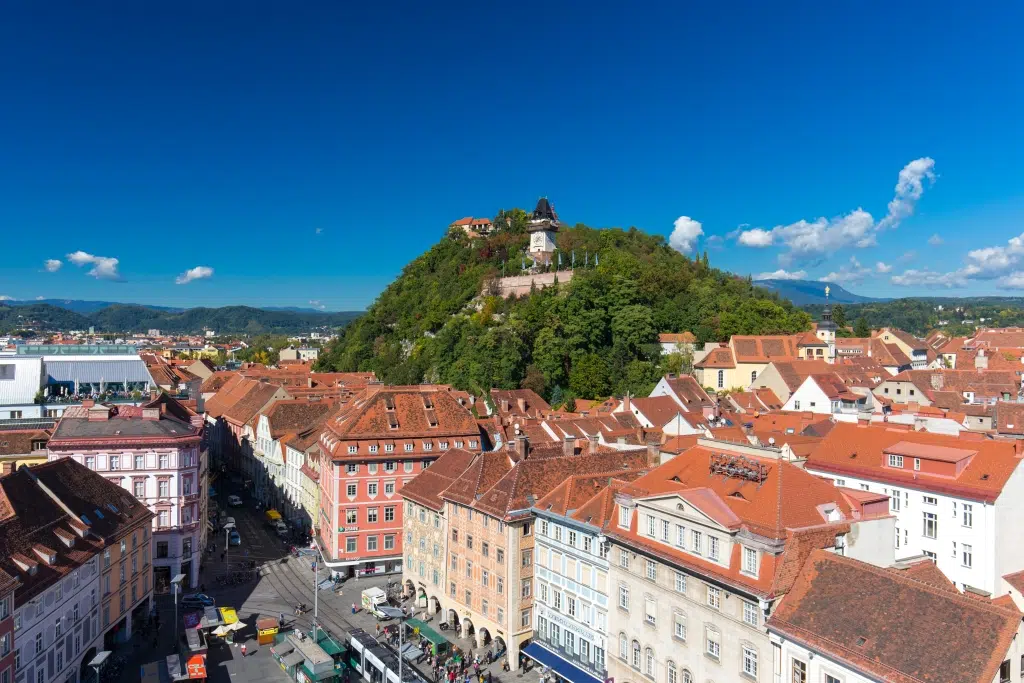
{"x": 537, "y": 239}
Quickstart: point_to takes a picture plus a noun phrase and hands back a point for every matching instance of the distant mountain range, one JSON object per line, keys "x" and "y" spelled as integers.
{"x": 105, "y": 316}
{"x": 807, "y": 292}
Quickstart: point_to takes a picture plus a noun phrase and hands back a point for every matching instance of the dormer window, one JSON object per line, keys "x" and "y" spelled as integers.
{"x": 389, "y": 448}
{"x": 749, "y": 561}
{"x": 408, "y": 448}
{"x": 374, "y": 448}
{"x": 353, "y": 449}
{"x": 428, "y": 445}
{"x": 623, "y": 517}
{"x": 444, "y": 445}
{"x": 896, "y": 461}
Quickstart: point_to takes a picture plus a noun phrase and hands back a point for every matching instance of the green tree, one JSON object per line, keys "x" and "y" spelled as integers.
{"x": 557, "y": 396}
{"x": 861, "y": 328}
{"x": 679, "y": 361}
{"x": 589, "y": 376}
{"x": 570, "y": 405}
{"x": 839, "y": 315}
{"x": 534, "y": 380}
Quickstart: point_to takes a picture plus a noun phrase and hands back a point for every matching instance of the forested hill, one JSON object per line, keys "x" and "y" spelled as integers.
{"x": 126, "y": 318}
{"x": 586, "y": 338}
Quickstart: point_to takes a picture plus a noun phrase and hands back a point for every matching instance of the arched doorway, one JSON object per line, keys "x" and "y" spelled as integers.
{"x": 421, "y": 599}
{"x": 433, "y": 605}
{"x": 453, "y": 620}
{"x": 483, "y": 637}
{"x": 467, "y": 628}
{"x": 84, "y": 672}
{"x": 409, "y": 589}
{"x": 499, "y": 646}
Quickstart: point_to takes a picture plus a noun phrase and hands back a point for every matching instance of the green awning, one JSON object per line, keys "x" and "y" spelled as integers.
{"x": 426, "y": 632}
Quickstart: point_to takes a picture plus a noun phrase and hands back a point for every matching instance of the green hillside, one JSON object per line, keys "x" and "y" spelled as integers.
{"x": 126, "y": 318}
{"x": 587, "y": 338}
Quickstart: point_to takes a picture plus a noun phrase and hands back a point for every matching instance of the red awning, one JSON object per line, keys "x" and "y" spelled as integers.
{"x": 196, "y": 666}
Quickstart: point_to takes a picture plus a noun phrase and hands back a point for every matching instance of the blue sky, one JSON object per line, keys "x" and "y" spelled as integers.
{"x": 306, "y": 151}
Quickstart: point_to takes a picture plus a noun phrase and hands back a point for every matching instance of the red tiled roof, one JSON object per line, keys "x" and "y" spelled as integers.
{"x": 861, "y": 450}
{"x": 19, "y": 441}
{"x": 296, "y": 415}
{"x": 660, "y": 410}
{"x": 720, "y": 357}
{"x": 763, "y": 349}
{"x": 1009, "y": 418}
{"x": 427, "y": 486}
{"x": 689, "y": 391}
{"x": 843, "y": 608}
{"x": 680, "y": 338}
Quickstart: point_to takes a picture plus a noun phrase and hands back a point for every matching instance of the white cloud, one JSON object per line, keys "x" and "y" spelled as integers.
{"x": 103, "y": 267}
{"x": 1014, "y": 280}
{"x": 909, "y": 188}
{"x": 781, "y": 274}
{"x": 883, "y": 267}
{"x": 319, "y": 230}
{"x": 930, "y": 279}
{"x": 822, "y": 236}
{"x": 40, "y": 298}
{"x": 851, "y": 272}
{"x": 685, "y": 234}
{"x": 907, "y": 257}
{"x": 758, "y": 237}
{"x": 52, "y": 265}
{"x": 317, "y": 305}
{"x": 935, "y": 240}
{"x": 197, "y": 273}
{"x": 6, "y": 298}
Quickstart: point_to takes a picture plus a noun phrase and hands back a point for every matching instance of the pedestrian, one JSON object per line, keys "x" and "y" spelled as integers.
{"x": 202, "y": 587}
{"x": 488, "y": 677}
{"x": 243, "y": 649}
{"x": 222, "y": 557}
{"x": 378, "y": 629}
{"x": 353, "y": 608}
{"x": 282, "y": 619}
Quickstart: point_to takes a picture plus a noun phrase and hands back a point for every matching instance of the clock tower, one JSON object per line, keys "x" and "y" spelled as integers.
{"x": 542, "y": 227}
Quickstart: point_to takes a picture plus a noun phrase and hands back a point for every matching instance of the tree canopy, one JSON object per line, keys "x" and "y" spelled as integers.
{"x": 439, "y": 321}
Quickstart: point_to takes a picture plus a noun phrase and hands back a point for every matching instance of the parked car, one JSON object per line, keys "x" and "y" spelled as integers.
{"x": 281, "y": 528}
{"x": 234, "y": 538}
{"x": 234, "y": 501}
{"x": 227, "y": 521}
{"x": 197, "y": 600}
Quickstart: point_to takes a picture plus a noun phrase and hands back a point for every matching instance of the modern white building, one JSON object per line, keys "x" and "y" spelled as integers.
{"x": 827, "y": 394}
{"x": 21, "y": 379}
{"x": 958, "y": 500}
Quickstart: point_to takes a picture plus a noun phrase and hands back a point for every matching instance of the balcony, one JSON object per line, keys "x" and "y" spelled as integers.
{"x": 190, "y": 497}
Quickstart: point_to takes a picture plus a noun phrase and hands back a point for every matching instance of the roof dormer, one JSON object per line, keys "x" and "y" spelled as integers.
{"x": 47, "y": 555}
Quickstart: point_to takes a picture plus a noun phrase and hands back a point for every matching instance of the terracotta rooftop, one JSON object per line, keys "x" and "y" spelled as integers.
{"x": 763, "y": 349}
{"x": 1009, "y": 418}
{"x": 573, "y": 493}
{"x": 862, "y": 450}
{"x": 689, "y": 392}
{"x": 720, "y": 357}
{"x": 843, "y": 609}
{"x": 296, "y": 415}
{"x": 33, "y": 517}
{"x": 427, "y": 486}
{"x": 511, "y": 403}
{"x": 124, "y": 424}
{"x": 660, "y": 410}
{"x": 20, "y": 441}
{"x": 674, "y": 338}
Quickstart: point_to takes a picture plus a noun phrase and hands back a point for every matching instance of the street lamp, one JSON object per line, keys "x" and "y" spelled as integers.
{"x": 176, "y": 582}
{"x": 227, "y": 547}
{"x": 98, "y": 661}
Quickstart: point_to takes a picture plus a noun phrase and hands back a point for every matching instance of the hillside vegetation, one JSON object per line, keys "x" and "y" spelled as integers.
{"x": 127, "y": 318}
{"x": 588, "y": 338}
{"x": 921, "y": 315}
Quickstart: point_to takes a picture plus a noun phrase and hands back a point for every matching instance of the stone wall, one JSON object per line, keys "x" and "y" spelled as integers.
{"x": 521, "y": 284}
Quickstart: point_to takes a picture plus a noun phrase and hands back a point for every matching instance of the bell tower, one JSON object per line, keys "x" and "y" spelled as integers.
{"x": 543, "y": 227}
{"x": 826, "y": 329}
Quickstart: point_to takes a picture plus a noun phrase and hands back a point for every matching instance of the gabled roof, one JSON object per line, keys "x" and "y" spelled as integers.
{"x": 255, "y": 397}
{"x": 1009, "y": 418}
{"x": 680, "y": 338}
{"x": 533, "y": 404}
{"x": 427, "y": 486}
{"x": 19, "y": 441}
{"x": 910, "y": 340}
{"x": 862, "y": 450}
{"x": 720, "y": 357}
{"x": 764, "y": 349}
{"x": 843, "y": 608}
{"x": 689, "y": 392}
{"x": 660, "y": 410}
{"x": 296, "y": 415}
{"x": 576, "y": 491}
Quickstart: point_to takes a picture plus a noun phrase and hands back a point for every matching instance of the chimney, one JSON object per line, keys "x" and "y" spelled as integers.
{"x": 626, "y": 404}
{"x": 154, "y": 393}
{"x": 569, "y": 445}
{"x": 653, "y": 453}
{"x": 504, "y": 405}
{"x": 594, "y": 442}
{"x": 1018, "y": 447}
{"x": 150, "y": 413}
{"x": 521, "y": 402}
{"x": 196, "y": 420}
{"x": 88, "y": 403}
{"x": 981, "y": 360}
{"x": 938, "y": 381}
{"x": 99, "y": 413}
{"x": 523, "y": 446}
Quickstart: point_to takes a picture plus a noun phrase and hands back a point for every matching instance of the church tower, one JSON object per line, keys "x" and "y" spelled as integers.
{"x": 826, "y": 329}
{"x": 542, "y": 227}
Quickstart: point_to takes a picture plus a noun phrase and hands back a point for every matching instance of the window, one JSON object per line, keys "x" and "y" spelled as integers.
{"x": 389, "y": 514}
{"x": 649, "y": 662}
{"x": 750, "y": 561}
{"x": 650, "y": 611}
{"x": 721, "y": 380}
{"x": 389, "y": 447}
{"x": 588, "y": 544}
{"x": 930, "y": 500}
{"x": 931, "y": 525}
{"x": 389, "y": 542}
{"x": 500, "y": 555}
{"x": 713, "y": 548}
{"x": 698, "y": 542}
{"x": 391, "y": 465}
{"x": 680, "y": 536}
{"x": 968, "y": 515}
{"x": 469, "y": 541}
{"x": 895, "y": 461}
{"x": 443, "y": 445}
{"x": 796, "y": 405}
{"x": 139, "y": 488}
{"x": 500, "y": 582}
{"x": 714, "y": 597}
{"x": 469, "y": 569}
{"x": 408, "y": 448}
{"x": 524, "y": 618}
{"x": 652, "y": 570}
{"x": 750, "y": 613}
{"x": 968, "y": 557}
{"x": 571, "y": 538}
{"x": 679, "y": 626}
{"x": 636, "y": 655}
{"x": 570, "y": 603}
{"x": 115, "y": 462}
{"x": 680, "y": 582}
{"x": 164, "y": 518}
{"x": 371, "y": 488}
{"x": 164, "y": 461}
{"x": 650, "y": 525}
{"x": 90, "y": 462}
{"x": 352, "y": 468}
{"x": 917, "y": 461}
{"x": 623, "y": 646}
{"x": 623, "y": 517}
{"x": 750, "y": 661}
{"x": 353, "y": 449}
{"x": 39, "y": 642}
{"x": 1004, "y": 671}
{"x": 624, "y": 597}
{"x": 455, "y": 535}
{"x": 371, "y": 543}
{"x": 371, "y": 515}
{"x": 712, "y": 644}
{"x": 350, "y": 490}
{"x": 525, "y": 588}
{"x": 894, "y": 501}
{"x": 624, "y": 558}
{"x": 485, "y": 549}
{"x": 352, "y": 516}
{"x": 527, "y": 557}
